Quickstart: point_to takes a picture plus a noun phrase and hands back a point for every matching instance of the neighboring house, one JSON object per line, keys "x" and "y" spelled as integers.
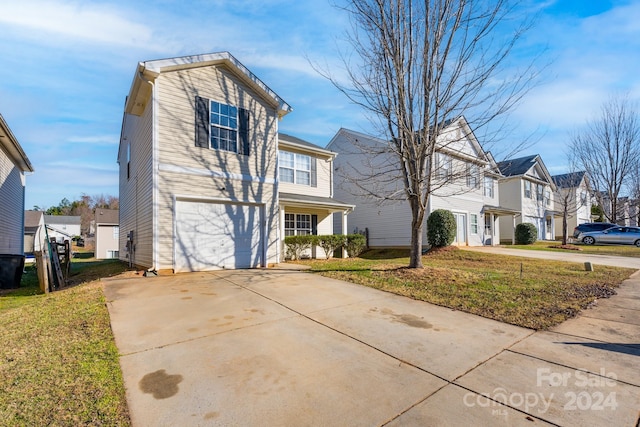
{"x": 574, "y": 189}
{"x": 62, "y": 227}
{"x": 34, "y": 233}
{"x": 107, "y": 233}
{"x": 527, "y": 187}
{"x": 305, "y": 190}
{"x": 465, "y": 182}
{"x": 14, "y": 163}
{"x": 198, "y": 163}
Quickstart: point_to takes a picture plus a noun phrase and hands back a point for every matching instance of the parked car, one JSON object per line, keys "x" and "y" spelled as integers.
{"x": 588, "y": 227}
{"x": 615, "y": 235}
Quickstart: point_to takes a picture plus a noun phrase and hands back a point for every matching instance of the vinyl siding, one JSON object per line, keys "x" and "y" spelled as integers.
{"x": 323, "y": 175}
{"x": 11, "y": 207}
{"x": 136, "y": 193}
{"x": 249, "y": 179}
{"x": 105, "y": 241}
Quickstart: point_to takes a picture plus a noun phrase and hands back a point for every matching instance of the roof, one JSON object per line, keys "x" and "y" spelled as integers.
{"x": 301, "y": 143}
{"x": 568, "y": 180}
{"x": 107, "y": 216}
{"x": 62, "y": 219}
{"x": 32, "y": 218}
{"x": 515, "y": 167}
{"x": 325, "y": 202}
{"x": 149, "y": 70}
{"x": 10, "y": 144}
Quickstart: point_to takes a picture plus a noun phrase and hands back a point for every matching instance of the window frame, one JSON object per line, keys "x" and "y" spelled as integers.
{"x": 444, "y": 163}
{"x": 296, "y": 219}
{"x": 473, "y": 223}
{"x": 228, "y": 128}
{"x": 297, "y": 171}
{"x": 489, "y": 185}
{"x": 547, "y": 197}
{"x": 527, "y": 189}
{"x": 488, "y": 226}
{"x": 473, "y": 175}
{"x": 540, "y": 192}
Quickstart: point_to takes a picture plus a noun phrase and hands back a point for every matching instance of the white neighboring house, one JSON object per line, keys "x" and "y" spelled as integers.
{"x": 466, "y": 175}
{"x": 14, "y": 163}
{"x": 62, "y": 227}
{"x": 527, "y": 187}
{"x": 107, "y": 235}
{"x": 574, "y": 187}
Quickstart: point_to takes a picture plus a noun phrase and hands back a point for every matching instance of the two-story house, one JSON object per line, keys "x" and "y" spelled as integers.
{"x": 465, "y": 182}
{"x": 573, "y": 197}
{"x": 527, "y": 188}
{"x": 199, "y": 164}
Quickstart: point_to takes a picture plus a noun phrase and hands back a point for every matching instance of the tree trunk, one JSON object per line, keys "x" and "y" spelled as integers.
{"x": 415, "y": 256}
{"x": 564, "y": 228}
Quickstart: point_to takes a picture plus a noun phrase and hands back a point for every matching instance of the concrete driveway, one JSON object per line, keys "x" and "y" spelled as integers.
{"x": 278, "y": 347}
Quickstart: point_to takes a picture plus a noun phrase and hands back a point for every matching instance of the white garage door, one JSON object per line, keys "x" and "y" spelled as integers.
{"x": 212, "y": 236}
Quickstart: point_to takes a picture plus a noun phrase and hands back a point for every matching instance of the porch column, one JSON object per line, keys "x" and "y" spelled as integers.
{"x": 281, "y": 246}
{"x": 513, "y": 233}
{"x": 344, "y": 231}
{"x": 493, "y": 228}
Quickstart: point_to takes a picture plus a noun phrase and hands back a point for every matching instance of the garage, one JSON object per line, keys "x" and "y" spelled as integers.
{"x": 213, "y": 236}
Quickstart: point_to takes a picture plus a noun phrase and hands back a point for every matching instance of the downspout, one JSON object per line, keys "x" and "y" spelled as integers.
{"x": 154, "y": 173}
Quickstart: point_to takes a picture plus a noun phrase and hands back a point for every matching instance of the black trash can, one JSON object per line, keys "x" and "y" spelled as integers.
{"x": 11, "y": 267}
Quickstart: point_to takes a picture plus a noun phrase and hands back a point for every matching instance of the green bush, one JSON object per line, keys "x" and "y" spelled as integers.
{"x": 441, "y": 228}
{"x": 296, "y": 245}
{"x": 526, "y": 233}
{"x": 329, "y": 243}
{"x": 355, "y": 244}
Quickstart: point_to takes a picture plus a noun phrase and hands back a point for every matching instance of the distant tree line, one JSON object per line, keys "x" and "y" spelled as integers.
{"x": 83, "y": 207}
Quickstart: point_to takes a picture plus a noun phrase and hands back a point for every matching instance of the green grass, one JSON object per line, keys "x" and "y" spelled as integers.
{"x": 544, "y": 295}
{"x": 617, "y": 250}
{"x": 58, "y": 359}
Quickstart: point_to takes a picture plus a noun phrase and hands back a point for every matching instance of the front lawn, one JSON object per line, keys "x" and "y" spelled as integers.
{"x": 58, "y": 359}
{"x": 547, "y": 245}
{"x": 531, "y": 293}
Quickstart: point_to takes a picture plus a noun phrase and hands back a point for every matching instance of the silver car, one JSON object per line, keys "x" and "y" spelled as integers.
{"x": 614, "y": 235}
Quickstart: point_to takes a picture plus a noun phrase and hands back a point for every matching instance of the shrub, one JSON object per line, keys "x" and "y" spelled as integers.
{"x": 329, "y": 243}
{"x": 441, "y": 228}
{"x": 355, "y": 244}
{"x": 526, "y": 233}
{"x": 297, "y": 244}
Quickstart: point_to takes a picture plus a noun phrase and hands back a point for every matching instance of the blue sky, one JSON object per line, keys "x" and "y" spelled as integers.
{"x": 66, "y": 67}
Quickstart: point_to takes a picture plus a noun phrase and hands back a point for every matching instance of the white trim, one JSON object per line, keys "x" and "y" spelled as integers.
{"x": 185, "y": 170}
{"x": 155, "y": 156}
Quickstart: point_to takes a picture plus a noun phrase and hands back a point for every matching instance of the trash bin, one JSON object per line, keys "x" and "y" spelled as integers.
{"x": 11, "y": 267}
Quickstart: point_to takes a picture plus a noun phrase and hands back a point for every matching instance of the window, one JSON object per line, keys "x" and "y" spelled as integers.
{"x": 473, "y": 176}
{"x": 224, "y": 127}
{"x": 488, "y": 186}
{"x": 443, "y": 166}
{"x": 527, "y": 189}
{"x": 547, "y": 198}
{"x": 294, "y": 168}
{"x": 297, "y": 224}
{"x": 116, "y": 232}
{"x": 583, "y": 198}
{"x": 487, "y": 224}
{"x": 128, "y": 160}
{"x": 474, "y": 224}
{"x": 540, "y": 191}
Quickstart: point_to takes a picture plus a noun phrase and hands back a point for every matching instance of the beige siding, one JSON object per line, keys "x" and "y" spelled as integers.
{"x": 11, "y": 207}
{"x": 105, "y": 241}
{"x": 324, "y": 167}
{"x": 187, "y": 171}
{"x": 136, "y": 192}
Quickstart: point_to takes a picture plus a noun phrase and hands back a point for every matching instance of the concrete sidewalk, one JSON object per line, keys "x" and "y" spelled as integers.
{"x": 613, "y": 261}
{"x": 282, "y": 347}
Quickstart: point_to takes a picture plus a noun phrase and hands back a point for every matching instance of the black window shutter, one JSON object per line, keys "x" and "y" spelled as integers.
{"x": 314, "y": 225}
{"x": 202, "y": 122}
{"x": 243, "y": 131}
{"x": 314, "y": 172}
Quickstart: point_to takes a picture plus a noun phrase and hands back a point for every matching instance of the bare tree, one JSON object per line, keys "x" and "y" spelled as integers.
{"x": 608, "y": 148}
{"x": 421, "y": 64}
{"x": 572, "y": 194}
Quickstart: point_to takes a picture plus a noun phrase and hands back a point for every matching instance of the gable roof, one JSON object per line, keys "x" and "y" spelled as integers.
{"x": 149, "y": 70}
{"x": 519, "y": 166}
{"x": 9, "y": 143}
{"x": 568, "y": 180}
{"x": 293, "y": 141}
{"x": 33, "y": 218}
{"x": 107, "y": 216}
{"x": 62, "y": 219}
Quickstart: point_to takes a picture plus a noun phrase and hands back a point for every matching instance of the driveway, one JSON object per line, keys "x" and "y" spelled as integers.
{"x": 284, "y": 347}
{"x": 613, "y": 261}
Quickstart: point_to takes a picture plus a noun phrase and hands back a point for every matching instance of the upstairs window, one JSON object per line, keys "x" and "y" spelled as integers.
{"x": 473, "y": 176}
{"x": 444, "y": 166}
{"x": 547, "y": 198}
{"x": 583, "y": 198}
{"x": 220, "y": 126}
{"x": 527, "y": 189}
{"x": 540, "y": 191}
{"x": 296, "y": 168}
{"x": 488, "y": 186}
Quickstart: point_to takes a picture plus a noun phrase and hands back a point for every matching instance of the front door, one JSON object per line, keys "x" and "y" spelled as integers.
{"x": 461, "y": 229}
